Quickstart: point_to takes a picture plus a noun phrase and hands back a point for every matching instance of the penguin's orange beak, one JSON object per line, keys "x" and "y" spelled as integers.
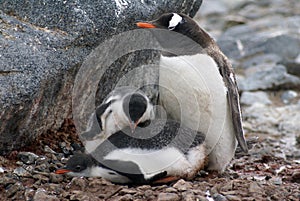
{"x": 145, "y": 25}
{"x": 62, "y": 171}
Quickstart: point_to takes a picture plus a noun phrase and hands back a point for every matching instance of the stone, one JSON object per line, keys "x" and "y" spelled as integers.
{"x": 254, "y": 187}
{"x": 14, "y": 188}
{"x": 44, "y": 45}
{"x": 144, "y": 187}
{"x": 261, "y": 59}
{"x": 168, "y": 197}
{"x": 276, "y": 180}
{"x": 78, "y": 183}
{"x": 274, "y": 120}
{"x": 5, "y": 181}
{"x": 20, "y": 171}
{"x": 293, "y": 67}
{"x": 47, "y": 149}
{"x": 127, "y": 191}
{"x": 182, "y": 185}
{"x": 290, "y": 51}
{"x": 41, "y": 195}
{"x": 269, "y": 78}
{"x": 233, "y": 198}
{"x": 81, "y": 195}
{"x": 262, "y": 36}
{"x": 27, "y": 157}
{"x": 288, "y": 96}
{"x": 219, "y": 197}
{"x": 250, "y": 98}
{"x": 213, "y": 7}
{"x": 188, "y": 196}
{"x": 296, "y": 177}
{"x": 148, "y": 193}
{"x": 127, "y": 197}
{"x": 41, "y": 177}
{"x": 2, "y": 169}
{"x": 171, "y": 190}
{"x": 56, "y": 178}
{"x": 29, "y": 194}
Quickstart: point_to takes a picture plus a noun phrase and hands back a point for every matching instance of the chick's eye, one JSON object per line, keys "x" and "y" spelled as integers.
{"x": 78, "y": 168}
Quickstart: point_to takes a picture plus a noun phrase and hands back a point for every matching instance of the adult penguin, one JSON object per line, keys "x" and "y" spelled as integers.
{"x": 198, "y": 86}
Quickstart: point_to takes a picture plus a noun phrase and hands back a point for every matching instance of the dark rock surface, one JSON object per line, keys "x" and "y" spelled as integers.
{"x": 42, "y": 45}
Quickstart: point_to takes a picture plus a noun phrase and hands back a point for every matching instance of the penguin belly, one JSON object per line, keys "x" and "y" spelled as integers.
{"x": 169, "y": 159}
{"x": 192, "y": 92}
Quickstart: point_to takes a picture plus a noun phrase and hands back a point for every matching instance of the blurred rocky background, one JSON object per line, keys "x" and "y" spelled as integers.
{"x": 262, "y": 40}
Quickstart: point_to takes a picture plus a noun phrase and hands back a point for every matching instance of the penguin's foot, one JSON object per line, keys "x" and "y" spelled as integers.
{"x": 166, "y": 180}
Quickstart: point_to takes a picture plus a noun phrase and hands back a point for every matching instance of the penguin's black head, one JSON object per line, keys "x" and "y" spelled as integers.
{"x": 182, "y": 24}
{"x": 134, "y": 106}
{"x": 172, "y": 21}
{"x": 77, "y": 163}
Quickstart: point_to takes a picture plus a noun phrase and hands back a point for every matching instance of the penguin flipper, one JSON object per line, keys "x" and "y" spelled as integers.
{"x": 101, "y": 113}
{"x": 234, "y": 106}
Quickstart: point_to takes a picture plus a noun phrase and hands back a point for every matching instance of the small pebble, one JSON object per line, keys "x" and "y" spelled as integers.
{"x": 296, "y": 177}
{"x": 188, "y": 196}
{"x": 288, "y": 96}
{"x": 13, "y": 189}
{"x": 254, "y": 187}
{"x": 127, "y": 197}
{"x": 182, "y": 185}
{"x": 233, "y": 198}
{"x": 5, "y": 181}
{"x": 41, "y": 195}
{"x": 77, "y": 183}
{"x": 21, "y": 172}
{"x": 276, "y": 180}
{"x": 219, "y": 197}
{"x": 27, "y": 157}
{"x": 148, "y": 193}
{"x": 40, "y": 177}
{"x": 144, "y": 187}
{"x": 127, "y": 191}
{"x": 168, "y": 197}
{"x": 29, "y": 194}
{"x": 171, "y": 190}
{"x": 47, "y": 149}
{"x": 2, "y": 170}
{"x": 56, "y": 178}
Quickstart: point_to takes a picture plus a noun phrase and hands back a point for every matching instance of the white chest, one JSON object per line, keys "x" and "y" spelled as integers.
{"x": 192, "y": 91}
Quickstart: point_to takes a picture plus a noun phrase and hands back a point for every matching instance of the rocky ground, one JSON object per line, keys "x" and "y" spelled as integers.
{"x": 262, "y": 40}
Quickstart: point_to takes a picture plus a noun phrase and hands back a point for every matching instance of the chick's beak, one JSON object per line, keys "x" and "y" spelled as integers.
{"x": 145, "y": 25}
{"x": 62, "y": 171}
{"x": 133, "y": 125}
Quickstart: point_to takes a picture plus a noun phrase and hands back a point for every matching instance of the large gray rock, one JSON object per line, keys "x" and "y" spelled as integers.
{"x": 270, "y": 77}
{"x": 250, "y": 98}
{"x": 272, "y": 35}
{"x": 43, "y": 44}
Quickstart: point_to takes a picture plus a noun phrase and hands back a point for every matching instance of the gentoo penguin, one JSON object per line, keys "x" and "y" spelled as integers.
{"x": 198, "y": 87}
{"x": 84, "y": 165}
{"x": 124, "y": 106}
{"x": 162, "y": 151}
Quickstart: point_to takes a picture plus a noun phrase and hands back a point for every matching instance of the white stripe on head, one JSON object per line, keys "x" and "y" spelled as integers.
{"x": 113, "y": 98}
{"x": 175, "y": 20}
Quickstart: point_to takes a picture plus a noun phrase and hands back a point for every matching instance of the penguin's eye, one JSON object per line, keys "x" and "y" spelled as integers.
{"x": 78, "y": 168}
